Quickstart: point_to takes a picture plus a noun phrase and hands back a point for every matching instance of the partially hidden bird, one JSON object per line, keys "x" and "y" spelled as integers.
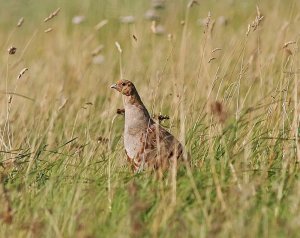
{"x": 147, "y": 144}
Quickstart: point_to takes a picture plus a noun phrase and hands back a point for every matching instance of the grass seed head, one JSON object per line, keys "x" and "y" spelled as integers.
{"x": 101, "y": 24}
{"x": 52, "y": 15}
{"x": 158, "y": 4}
{"x": 12, "y": 50}
{"x": 118, "y": 47}
{"x": 211, "y": 59}
{"x": 97, "y": 50}
{"x": 216, "y": 49}
{"x": 76, "y": 20}
{"x": 48, "y": 30}
{"x": 127, "y": 19}
{"x": 102, "y": 140}
{"x": 152, "y": 15}
{"x": 218, "y": 111}
{"x": 134, "y": 37}
{"x": 22, "y": 72}
{"x": 256, "y": 23}
{"x": 288, "y": 43}
{"x": 20, "y": 22}
{"x": 192, "y": 3}
{"x": 121, "y": 111}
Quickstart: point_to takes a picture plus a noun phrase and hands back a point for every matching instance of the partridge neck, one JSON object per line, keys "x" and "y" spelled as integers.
{"x": 134, "y": 103}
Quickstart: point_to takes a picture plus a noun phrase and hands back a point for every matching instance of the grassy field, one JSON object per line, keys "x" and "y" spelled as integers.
{"x": 225, "y": 72}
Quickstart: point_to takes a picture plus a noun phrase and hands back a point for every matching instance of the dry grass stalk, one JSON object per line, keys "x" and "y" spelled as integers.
{"x": 52, "y": 15}
{"x": 212, "y": 26}
{"x": 20, "y": 22}
{"x": 12, "y": 50}
{"x": 63, "y": 103}
{"x": 22, "y": 72}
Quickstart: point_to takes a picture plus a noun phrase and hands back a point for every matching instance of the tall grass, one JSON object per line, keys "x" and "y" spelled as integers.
{"x": 231, "y": 92}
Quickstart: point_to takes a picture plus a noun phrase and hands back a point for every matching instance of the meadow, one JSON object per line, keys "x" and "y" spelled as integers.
{"x": 224, "y": 72}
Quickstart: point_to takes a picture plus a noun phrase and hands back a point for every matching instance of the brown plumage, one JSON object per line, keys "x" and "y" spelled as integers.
{"x": 147, "y": 144}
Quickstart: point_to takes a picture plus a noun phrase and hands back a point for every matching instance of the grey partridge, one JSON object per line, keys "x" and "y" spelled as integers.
{"x": 147, "y": 144}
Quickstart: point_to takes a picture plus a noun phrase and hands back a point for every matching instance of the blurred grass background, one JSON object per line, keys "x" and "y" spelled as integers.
{"x": 62, "y": 164}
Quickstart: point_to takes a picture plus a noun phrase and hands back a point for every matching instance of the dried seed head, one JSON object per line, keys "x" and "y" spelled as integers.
{"x": 158, "y": 4}
{"x": 20, "y": 22}
{"x": 134, "y": 37}
{"x": 248, "y": 30}
{"x": 102, "y": 140}
{"x": 216, "y": 49}
{"x": 118, "y": 47}
{"x": 157, "y": 29}
{"x": 160, "y": 117}
{"x": 12, "y": 50}
{"x": 97, "y": 50}
{"x": 22, "y": 72}
{"x": 52, "y": 15}
{"x": 127, "y": 19}
{"x": 255, "y": 24}
{"x": 6, "y": 217}
{"x": 218, "y": 111}
{"x": 222, "y": 21}
{"x": 48, "y": 30}
{"x": 211, "y": 59}
{"x": 152, "y": 15}
{"x": 208, "y": 19}
{"x": 121, "y": 111}
{"x": 76, "y": 20}
{"x": 288, "y": 43}
{"x": 101, "y": 24}
{"x": 192, "y": 3}
{"x": 98, "y": 59}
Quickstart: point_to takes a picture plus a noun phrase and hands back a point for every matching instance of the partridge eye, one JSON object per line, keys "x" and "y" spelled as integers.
{"x": 123, "y": 84}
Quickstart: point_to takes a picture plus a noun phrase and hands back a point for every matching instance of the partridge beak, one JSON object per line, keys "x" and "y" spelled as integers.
{"x": 114, "y": 86}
